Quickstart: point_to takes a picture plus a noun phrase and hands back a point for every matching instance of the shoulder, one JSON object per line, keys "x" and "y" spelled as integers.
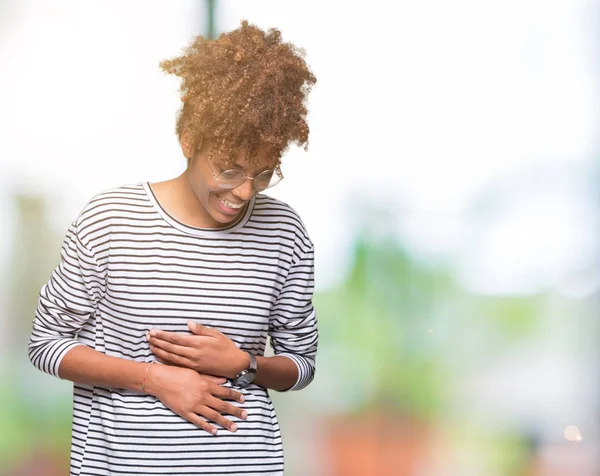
{"x": 125, "y": 194}
{"x": 275, "y": 214}
{"x": 125, "y": 201}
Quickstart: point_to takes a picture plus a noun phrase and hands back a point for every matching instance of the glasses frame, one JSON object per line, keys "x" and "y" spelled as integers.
{"x": 276, "y": 170}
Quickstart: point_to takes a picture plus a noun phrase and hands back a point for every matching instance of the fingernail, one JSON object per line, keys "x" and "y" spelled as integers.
{"x": 147, "y": 336}
{"x": 153, "y": 333}
{"x": 214, "y": 431}
{"x": 242, "y": 398}
{"x": 244, "y": 415}
{"x": 233, "y": 427}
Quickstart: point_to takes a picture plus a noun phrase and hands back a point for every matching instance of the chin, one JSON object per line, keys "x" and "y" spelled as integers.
{"x": 219, "y": 216}
{"x": 224, "y": 219}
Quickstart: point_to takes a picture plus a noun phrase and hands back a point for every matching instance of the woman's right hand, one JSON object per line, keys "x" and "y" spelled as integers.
{"x": 192, "y": 395}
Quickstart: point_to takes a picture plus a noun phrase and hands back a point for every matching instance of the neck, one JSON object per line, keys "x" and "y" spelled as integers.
{"x": 177, "y": 197}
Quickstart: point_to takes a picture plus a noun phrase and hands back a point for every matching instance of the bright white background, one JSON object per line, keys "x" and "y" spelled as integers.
{"x": 422, "y": 106}
{"x": 471, "y": 126}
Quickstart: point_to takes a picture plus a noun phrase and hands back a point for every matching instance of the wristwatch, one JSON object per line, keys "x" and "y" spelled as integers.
{"x": 246, "y": 376}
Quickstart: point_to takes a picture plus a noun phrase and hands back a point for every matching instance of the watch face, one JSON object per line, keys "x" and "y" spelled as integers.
{"x": 245, "y": 379}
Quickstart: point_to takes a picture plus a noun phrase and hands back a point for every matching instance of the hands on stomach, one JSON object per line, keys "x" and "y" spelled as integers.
{"x": 192, "y": 395}
{"x": 196, "y": 366}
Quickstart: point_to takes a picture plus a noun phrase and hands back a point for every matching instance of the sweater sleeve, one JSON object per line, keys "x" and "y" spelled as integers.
{"x": 65, "y": 303}
{"x": 293, "y": 322}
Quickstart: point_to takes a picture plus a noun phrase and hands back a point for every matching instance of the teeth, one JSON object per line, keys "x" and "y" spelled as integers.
{"x": 230, "y": 205}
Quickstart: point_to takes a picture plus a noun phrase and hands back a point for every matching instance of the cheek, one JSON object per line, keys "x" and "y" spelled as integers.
{"x": 209, "y": 201}
{"x": 202, "y": 192}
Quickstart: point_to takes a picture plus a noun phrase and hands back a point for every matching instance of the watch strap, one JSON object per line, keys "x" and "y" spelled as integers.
{"x": 252, "y": 366}
{"x": 247, "y": 375}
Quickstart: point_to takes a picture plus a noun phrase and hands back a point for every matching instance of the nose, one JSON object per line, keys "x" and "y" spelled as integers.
{"x": 245, "y": 191}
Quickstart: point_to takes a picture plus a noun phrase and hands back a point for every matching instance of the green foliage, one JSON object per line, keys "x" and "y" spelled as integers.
{"x": 26, "y": 426}
{"x": 516, "y": 316}
{"x": 380, "y": 315}
{"x": 30, "y": 420}
{"x": 396, "y": 326}
{"x": 35, "y": 251}
{"x": 504, "y": 453}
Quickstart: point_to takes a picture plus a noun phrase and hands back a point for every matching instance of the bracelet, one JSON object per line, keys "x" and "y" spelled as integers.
{"x": 146, "y": 376}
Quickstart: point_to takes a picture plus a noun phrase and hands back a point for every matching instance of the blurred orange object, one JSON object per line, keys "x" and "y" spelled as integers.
{"x": 375, "y": 444}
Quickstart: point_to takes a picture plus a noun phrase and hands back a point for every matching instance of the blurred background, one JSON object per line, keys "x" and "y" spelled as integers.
{"x": 451, "y": 188}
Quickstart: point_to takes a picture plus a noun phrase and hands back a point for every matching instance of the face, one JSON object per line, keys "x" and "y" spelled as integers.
{"x": 223, "y": 206}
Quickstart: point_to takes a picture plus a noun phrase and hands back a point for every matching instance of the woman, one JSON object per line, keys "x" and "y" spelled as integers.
{"x": 166, "y": 292}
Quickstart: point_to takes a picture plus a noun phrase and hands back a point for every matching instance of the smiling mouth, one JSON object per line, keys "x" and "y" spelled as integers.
{"x": 228, "y": 204}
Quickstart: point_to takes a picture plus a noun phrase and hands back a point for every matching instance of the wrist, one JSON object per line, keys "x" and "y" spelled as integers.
{"x": 147, "y": 383}
{"x": 145, "y": 379}
{"x": 154, "y": 378}
{"x": 242, "y": 362}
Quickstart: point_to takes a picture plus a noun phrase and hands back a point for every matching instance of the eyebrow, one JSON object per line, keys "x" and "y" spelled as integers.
{"x": 258, "y": 171}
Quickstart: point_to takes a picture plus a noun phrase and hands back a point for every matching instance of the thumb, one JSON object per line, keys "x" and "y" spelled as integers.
{"x": 199, "y": 329}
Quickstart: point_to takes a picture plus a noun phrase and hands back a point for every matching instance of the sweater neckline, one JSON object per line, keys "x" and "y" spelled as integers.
{"x": 192, "y": 230}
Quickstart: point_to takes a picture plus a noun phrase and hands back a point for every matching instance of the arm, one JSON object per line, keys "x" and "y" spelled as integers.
{"x": 184, "y": 391}
{"x": 293, "y": 327}
{"x": 90, "y": 367}
{"x": 67, "y": 301}
{"x": 277, "y": 372}
{"x": 210, "y": 351}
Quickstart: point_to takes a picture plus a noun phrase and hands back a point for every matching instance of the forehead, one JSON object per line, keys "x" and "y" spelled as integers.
{"x": 263, "y": 158}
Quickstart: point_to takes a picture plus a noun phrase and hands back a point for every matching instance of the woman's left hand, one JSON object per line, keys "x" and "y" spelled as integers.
{"x": 207, "y": 351}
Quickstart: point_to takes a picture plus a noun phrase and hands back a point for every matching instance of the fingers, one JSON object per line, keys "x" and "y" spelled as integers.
{"x": 171, "y": 358}
{"x": 185, "y": 365}
{"x": 216, "y": 401}
{"x": 214, "y": 413}
{"x": 201, "y": 423}
{"x": 226, "y": 393}
{"x": 172, "y": 337}
{"x": 214, "y": 379}
{"x": 227, "y": 408}
{"x": 201, "y": 330}
{"x": 167, "y": 361}
{"x": 169, "y": 347}
{"x": 218, "y": 418}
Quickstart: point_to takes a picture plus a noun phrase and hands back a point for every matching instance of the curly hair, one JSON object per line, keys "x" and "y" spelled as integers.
{"x": 244, "y": 90}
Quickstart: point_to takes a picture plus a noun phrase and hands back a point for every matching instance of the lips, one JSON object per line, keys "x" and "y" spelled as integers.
{"x": 228, "y": 208}
{"x": 231, "y": 205}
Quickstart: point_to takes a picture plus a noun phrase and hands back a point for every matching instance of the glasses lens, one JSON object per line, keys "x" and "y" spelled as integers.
{"x": 230, "y": 179}
{"x": 267, "y": 179}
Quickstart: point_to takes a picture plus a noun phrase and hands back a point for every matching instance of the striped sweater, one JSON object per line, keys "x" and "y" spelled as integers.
{"x": 128, "y": 266}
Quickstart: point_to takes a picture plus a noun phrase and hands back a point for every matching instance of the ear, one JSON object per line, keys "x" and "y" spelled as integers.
{"x": 187, "y": 146}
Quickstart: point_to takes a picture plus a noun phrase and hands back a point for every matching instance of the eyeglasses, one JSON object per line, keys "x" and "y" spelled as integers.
{"x": 233, "y": 178}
